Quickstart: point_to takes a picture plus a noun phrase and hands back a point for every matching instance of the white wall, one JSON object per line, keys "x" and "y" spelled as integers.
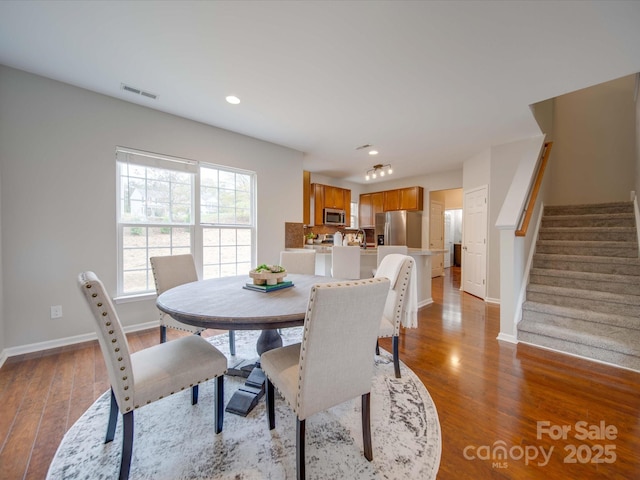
{"x": 57, "y": 195}
{"x": 504, "y": 162}
{"x": 593, "y": 158}
{"x": 2, "y": 329}
{"x": 637, "y": 131}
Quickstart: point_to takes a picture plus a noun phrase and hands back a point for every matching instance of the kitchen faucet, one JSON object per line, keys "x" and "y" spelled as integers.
{"x": 364, "y": 238}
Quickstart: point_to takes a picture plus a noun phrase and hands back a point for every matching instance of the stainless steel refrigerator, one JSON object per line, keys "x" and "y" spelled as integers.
{"x": 399, "y": 227}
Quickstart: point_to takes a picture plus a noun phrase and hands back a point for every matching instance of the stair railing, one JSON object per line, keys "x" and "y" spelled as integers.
{"x": 528, "y": 212}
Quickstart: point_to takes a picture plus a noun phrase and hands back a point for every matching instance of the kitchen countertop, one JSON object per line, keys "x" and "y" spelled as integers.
{"x": 368, "y": 261}
{"x": 326, "y": 249}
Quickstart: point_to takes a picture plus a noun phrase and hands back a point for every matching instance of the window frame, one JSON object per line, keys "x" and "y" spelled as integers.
{"x": 196, "y": 227}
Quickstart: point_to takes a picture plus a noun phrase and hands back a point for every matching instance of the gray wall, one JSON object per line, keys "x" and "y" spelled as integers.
{"x": 637, "y": 131}
{"x": 593, "y": 158}
{"x": 57, "y": 195}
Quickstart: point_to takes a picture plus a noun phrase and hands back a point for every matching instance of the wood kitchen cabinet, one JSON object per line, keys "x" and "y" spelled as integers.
{"x": 327, "y": 196}
{"x": 391, "y": 200}
{"x": 410, "y": 198}
{"x": 334, "y": 197}
{"x": 370, "y": 204}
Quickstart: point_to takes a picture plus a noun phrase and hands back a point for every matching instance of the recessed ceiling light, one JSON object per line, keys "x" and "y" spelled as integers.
{"x": 373, "y": 152}
{"x": 233, "y": 100}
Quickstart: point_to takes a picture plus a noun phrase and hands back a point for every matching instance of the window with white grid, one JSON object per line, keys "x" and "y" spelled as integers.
{"x": 170, "y": 206}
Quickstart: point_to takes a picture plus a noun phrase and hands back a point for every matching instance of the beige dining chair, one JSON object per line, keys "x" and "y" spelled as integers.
{"x": 299, "y": 261}
{"x": 333, "y": 364}
{"x": 397, "y": 268}
{"x": 384, "y": 250}
{"x": 170, "y": 271}
{"x": 345, "y": 262}
{"x": 140, "y": 378}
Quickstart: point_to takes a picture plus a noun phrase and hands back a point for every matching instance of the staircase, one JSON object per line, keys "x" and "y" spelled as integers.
{"x": 583, "y": 295}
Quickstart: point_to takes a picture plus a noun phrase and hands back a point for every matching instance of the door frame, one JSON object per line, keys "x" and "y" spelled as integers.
{"x": 481, "y": 291}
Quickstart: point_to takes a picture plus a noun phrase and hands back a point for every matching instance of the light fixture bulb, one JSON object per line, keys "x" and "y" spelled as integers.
{"x": 373, "y": 174}
{"x": 382, "y": 173}
{"x": 233, "y": 100}
{"x": 373, "y": 152}
{"x": 389, "y": 171}
{"x": 366, "y": 177}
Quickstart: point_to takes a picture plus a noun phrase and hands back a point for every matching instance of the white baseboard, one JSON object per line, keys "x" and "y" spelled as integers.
{"x": 575, "y": 355}
{"x": 507, "y": 338}
{"x": 425, "y": 302}
{"x": 492, "y": 300}
{"x": 63, "y": 342}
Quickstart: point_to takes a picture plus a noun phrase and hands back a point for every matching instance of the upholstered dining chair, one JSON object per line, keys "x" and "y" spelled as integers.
{"x": 333, "y": 363}
{"x": 140, "y": 378}
{"x": 345, "y": 262}
{"x": 170, "y": 271}
{"x": 299, "y": 261}
{"x": 384, "y": 250}
{"x": 397, "y": 268}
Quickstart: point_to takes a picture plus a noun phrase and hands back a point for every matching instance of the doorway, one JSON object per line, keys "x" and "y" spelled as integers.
{"x": 446, "y": 223}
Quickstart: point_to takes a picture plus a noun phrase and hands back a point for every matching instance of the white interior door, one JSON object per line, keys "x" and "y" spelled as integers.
{"x": 474, "y": 242}
{"x": 436, "y": 237}
{"x": 448, "y": 243}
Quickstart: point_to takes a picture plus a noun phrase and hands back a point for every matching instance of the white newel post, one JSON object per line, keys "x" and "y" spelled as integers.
{"x": 512, "y": 268}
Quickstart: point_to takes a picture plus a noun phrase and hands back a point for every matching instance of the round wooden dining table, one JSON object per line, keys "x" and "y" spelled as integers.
{"x": 224, "y": 304}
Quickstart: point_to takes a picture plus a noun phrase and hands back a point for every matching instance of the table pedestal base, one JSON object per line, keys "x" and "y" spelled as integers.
{"x": 242, "y": 368}
{"x": 246, "y": 397}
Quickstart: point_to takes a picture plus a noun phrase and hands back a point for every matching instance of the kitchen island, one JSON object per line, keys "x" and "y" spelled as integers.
{"x": 369, "y": 259}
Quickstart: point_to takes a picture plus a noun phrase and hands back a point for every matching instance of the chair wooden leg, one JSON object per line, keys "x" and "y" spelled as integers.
{"x": 377, "y": 348}
{"x": 113, "y": 419}
{"x": 194, "y": 394}
{"x": 219, "y": 392}
{"x": 232, "y": 342}
{"x": 396, "y": 357}
{"x": 366, "y": 426}
{"x": 163, "y": 334}
{"x": 300, "y": 434}
{"x": 127, "y": 445}
{"x": 271, "y": 405}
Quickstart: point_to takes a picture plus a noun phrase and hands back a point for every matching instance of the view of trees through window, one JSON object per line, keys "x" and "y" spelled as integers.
{"x": 161, "y": 213}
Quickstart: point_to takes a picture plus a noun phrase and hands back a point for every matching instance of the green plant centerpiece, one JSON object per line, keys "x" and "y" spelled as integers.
{"x": 268, "y": 274}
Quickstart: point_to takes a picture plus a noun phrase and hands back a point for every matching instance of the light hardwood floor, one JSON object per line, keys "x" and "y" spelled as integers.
{"x": 487, "y": 393}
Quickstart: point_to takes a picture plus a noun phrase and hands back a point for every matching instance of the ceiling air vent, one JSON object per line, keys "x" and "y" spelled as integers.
{"x": 137, "y": 91}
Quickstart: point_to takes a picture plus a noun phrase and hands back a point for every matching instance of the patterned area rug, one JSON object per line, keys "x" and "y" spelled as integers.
{"x": 174, "y": 440}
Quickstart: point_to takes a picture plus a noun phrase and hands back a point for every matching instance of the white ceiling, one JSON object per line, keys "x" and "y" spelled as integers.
{"x": 429, "y": 84}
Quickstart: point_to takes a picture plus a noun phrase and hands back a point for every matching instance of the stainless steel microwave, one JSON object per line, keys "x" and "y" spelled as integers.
{"x": 333, "y": 216}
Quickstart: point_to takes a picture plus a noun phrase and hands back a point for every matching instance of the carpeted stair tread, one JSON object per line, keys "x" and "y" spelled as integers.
{"x": 602, "y": 277}
{"x": 578, "y": 293}
{"x": 608, "y": 337}
{"x": 543, "y": 311}
{"x": 596, "y": 248}
{"x": 585, "y": 263}
{"x": 616, "y": 234}
{"x": 583, "y": 295}
{"x": 585, "y": 209}
{"x": 618, "y": 359}
{"x": 589, "y": 243}
{"x": 589, "y": 259}
{"x": 602, "y": 282}
{"x": 594, "y": 220}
